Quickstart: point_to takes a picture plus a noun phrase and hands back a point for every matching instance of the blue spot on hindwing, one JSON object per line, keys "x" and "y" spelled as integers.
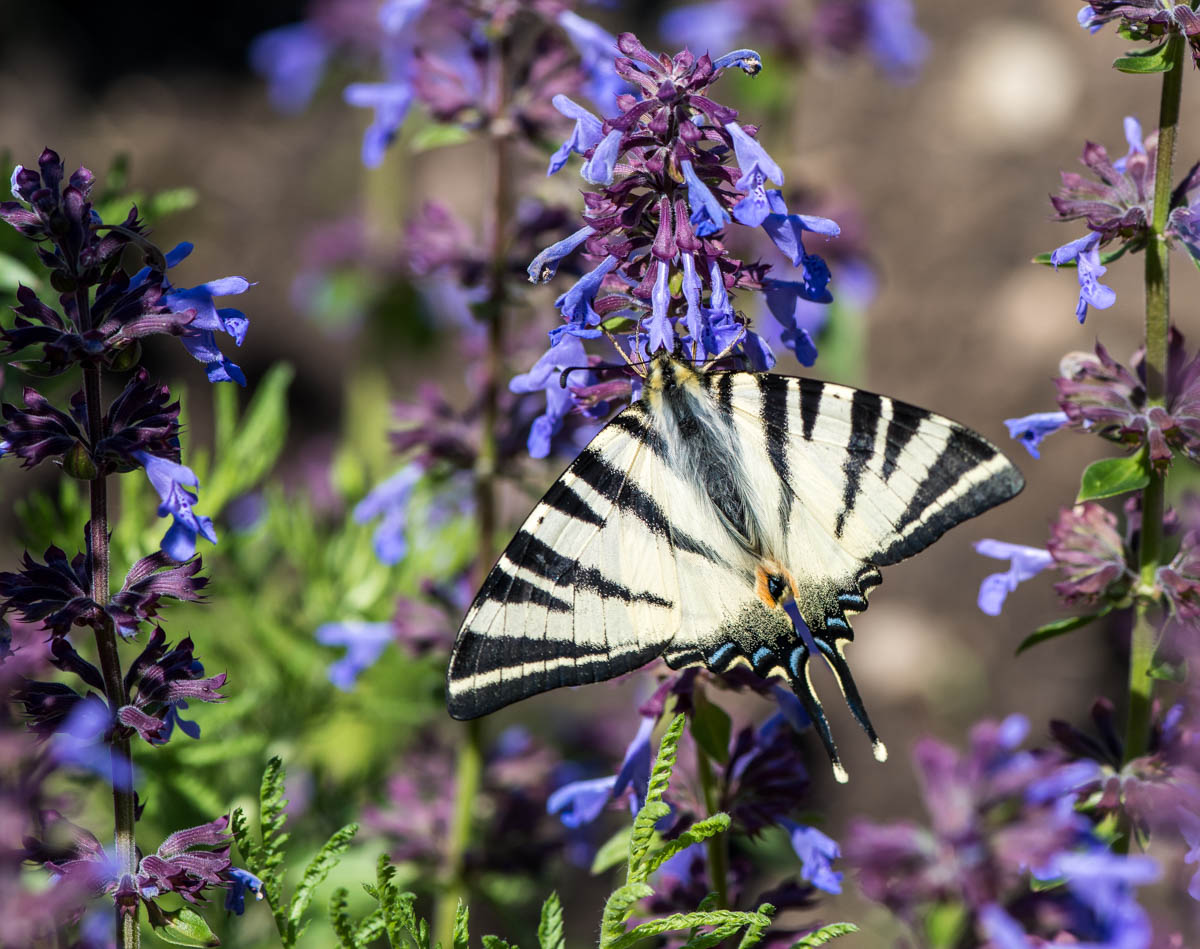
{"x": 836, "y": 621}
{"x": 718, "y": 655}
{"x": 762, "y": 653}
{"x": 794, "y": 660}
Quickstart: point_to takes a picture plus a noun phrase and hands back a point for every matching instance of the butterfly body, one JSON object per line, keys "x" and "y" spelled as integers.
{"x": 695, "y": 519}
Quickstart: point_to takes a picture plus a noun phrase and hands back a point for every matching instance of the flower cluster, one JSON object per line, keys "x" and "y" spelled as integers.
{"x": 998, "y": 814}
{"x": 1118, "y": 207}
{"x": 1147, "y": 20}
{"x": 671, "y": 170}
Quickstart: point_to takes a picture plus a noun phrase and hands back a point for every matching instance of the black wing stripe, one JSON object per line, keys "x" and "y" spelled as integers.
{"x": 540, "y": 558}
{"x": 810, "y": 405}
{"x": 865, "y": 411}
{"x": 632, "y": 421}
{"x": 774, "y": 416}
{"x": 903, "y": 424}
{"x": 566, "y": 500}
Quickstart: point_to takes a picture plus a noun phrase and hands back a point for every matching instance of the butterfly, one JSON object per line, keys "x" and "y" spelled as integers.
{"x": 696, "y": 518}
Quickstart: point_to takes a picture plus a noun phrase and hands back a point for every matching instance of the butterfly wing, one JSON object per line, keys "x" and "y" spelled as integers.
{"x": 590, "y": 587}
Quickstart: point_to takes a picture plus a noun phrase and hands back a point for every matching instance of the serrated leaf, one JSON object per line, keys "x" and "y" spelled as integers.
{"x": 824, "y": 935}
{"x": 462, "y": 919}
{"x": 1144, "y": 61}
{"x": 315, "y": 873}
{"x": 370, "y": 929}
{"x": 339, "y": 918}
{"x": 612, "y": 852}
{"x": 679, "y": 922}
{"x": 711, "y": 728}
{"x": 1059, "y": 628}
{"x": 653, "y": 809}
{"x": 550, "y": 929}
{"x": 698, "y": 832}
{"x": 182, "y": 927}
{"x": 1109, "y": 477}
{"x": 706, "y": 940}
{"x": 618, "y": 908}
{"x": 495, "y": 942}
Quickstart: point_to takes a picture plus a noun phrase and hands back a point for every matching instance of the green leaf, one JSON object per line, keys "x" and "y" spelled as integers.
{"x": 339, "y": 918}
{"x": 171, "y": 201}
{"x": 654, "y": 809}
{"x": 612, "y": 852}
{"x": 182, "y": 927}
{"x": 945, "y": 925}
{"x": 678, "y": 922}
{"x": 711, "y": 728}
{"x": 550, "y": 929}
{"x": 1158, "y": 58}
{"x": 1169, "y": 671}
{"x": 370, "y": 929}
{"x": 699, "y": 831}
{"x": 1109, "y": 477}
{"x": 706, "y": 940}
{"x": 439, "y": 135}
{"x": 618, "y": 908}
{"x": 1059, "y": 627}
{"x": 13, "y": 272}
{"x": 315, "y": 873}
{"x": 825, "y": 934}
{"x": 462, "y": 918}
{"x": 495, "y": 942}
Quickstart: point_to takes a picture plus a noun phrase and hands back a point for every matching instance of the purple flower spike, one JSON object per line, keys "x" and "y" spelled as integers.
{"x": 390, "y": 499}
{"x": 391, "y": 102}
{"x": 292, "y": 60}
{"x": 364, "y": 644}
{"x": 586, "y": 134}
{"x": 1031, "y": 429}
{"x": 1025, "y": 563}
{"x": 746, "y": 60}
{"x": 544, "y": 266}
{"x": 1086, "y": 253}
{"x": 786, "y": 230}
{"x": 169, "y": 479}
{"x": 599, "y": 169}
{"x": 816, "y": 851}
{"x": 661, "y": 333}
{"x": 565, "y": 352}
{"x": 756, "y": 167}
{"x": 708, "y": 214}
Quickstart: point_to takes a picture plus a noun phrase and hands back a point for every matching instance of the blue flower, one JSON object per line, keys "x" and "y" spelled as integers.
{"x": 600, "y": 167}
{"x": 390, "y": 500}
{"x": 756, "y": 167}
{"x": 1103, "y": 882}
{"x": 1086, "y": 17}
{"x": 168, "y": 480}
{"x": 1189, "y": 826}
{"x": 708, "y": 214}
{"x": 597, "y": 50}
{"x": 565, "y": 352}
{"x": 391, "y": 102}
{"x": 1086, "y": 253}
{"x": 897, "y": 45}
{"x": 364, "y": 644}
{"x": 786, "y": 230}
{"x": 661, "y": 333}
{"x": 1024, "y": 564}
{"x": 239, "y": 882}
{"x": 1137, "y": 146}
{"x": 12, "y": 182}
{"x": 5, "y": 448}
{"x": 587, "y": 133}
{"x": 783, "y": 297}
{"x": 1031, "y": 429}
{"x": 1002, "y": 929}
{"x": 816, "y": 851}
{"x": 581, "y": 802}
{"x": 576, "y": 303}
{"x": 746, "y": 60}
{"x": 703, "y": 27}
{"x": 292, "y": 59}
{"x": 397, "y": 16}
{"x": 544, "y": 266}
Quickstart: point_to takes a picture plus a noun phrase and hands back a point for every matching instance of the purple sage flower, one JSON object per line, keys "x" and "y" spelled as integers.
{"x": 1024, "y": 564}
{"x": 169, "y": 480}
{"x": 1031, "y": 429}
{"x": 1085, "y": 253}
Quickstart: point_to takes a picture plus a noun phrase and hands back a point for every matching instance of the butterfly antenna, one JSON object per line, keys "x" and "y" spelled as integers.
{"x": 801, "y": 683}
{"x": 562, "y": 376}
{"x": 832, "y": 651}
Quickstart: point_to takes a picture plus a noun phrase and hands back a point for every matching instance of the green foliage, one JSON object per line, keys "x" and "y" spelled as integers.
{"x": 825, "y": 934}
{"x": 1060, "y": 627}
{"x": 1160, "y": 58}
{"x": 1109, "y": 477}
{"x": 181, "y": 927}
{"x": 711, "y": 728}
{"x": 550, "y": 929}
{"x": 265, "y": 857}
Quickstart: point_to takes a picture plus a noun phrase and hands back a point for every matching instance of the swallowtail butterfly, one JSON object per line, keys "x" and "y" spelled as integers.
{"x": 697, "y": 514}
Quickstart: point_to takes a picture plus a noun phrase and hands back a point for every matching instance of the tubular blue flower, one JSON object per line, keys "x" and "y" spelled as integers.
{"x": 364, "y": 644}
{"x": 1002, "y": 929}
{"x": 816, "y": 851}
{"x": 1024, "y": 564}
{"x": 576, "y": 303}
{"x": 600, "y": 167}
{"x": 1031, "y": 429}
{"x": 1087, "y": 19}
{"x": 544, "y": 266}
{"x": 565, "y": 352}
{"x": 390, "y": 499}
{"x": 691, "y": 293}
{"x": 292, "y": 59}
{"x": 168, "y": 479}
{"x": 661, "y": 333}
{"x": 708, "y": 214}
{"x": 587, "y": 133}
{"x": 783, "y": 297}
{"x": 239, "y": 882}
{"x": 746, "y": 60}
{"x": 1136, "y": 140}
{"x": 391, "y": 102}
{"x": 581, "y": 802}
{"x": 1085, "y": 252}
{"x": 894, "y": 40}
{"x": 597, "y": 50}
{"x": 5, "y": 448}
{"x": 786, "y": 230}
{"x": 756, "y": 167}
{"x": 12, "y": 182}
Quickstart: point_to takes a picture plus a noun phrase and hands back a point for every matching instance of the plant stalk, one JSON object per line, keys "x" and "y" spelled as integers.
{"x": 718, "y": 854}
{"x": 1158, "y": 318}
{"x": 469, "y": 764}
{"x": 128, "y": 932}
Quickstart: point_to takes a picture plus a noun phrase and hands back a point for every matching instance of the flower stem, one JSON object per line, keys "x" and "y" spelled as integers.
{"x": 1158, "y": 317}
{"x": 718, "y": 856}
{"x": 469, "y": 764}
{"x": 128, "y": 933}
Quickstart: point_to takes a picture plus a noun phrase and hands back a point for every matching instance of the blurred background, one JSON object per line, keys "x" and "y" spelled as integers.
{"x": 944, "y": 180}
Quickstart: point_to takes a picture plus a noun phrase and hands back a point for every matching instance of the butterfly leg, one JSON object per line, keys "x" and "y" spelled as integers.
{"x": 801, "y": 683}
{"x": 831, "y": 647}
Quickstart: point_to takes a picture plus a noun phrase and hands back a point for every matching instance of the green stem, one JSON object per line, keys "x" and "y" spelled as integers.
{"x": 1158, "y": 318}
{"x": 718, "y": 855}
{"x": 469, "y": 765}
